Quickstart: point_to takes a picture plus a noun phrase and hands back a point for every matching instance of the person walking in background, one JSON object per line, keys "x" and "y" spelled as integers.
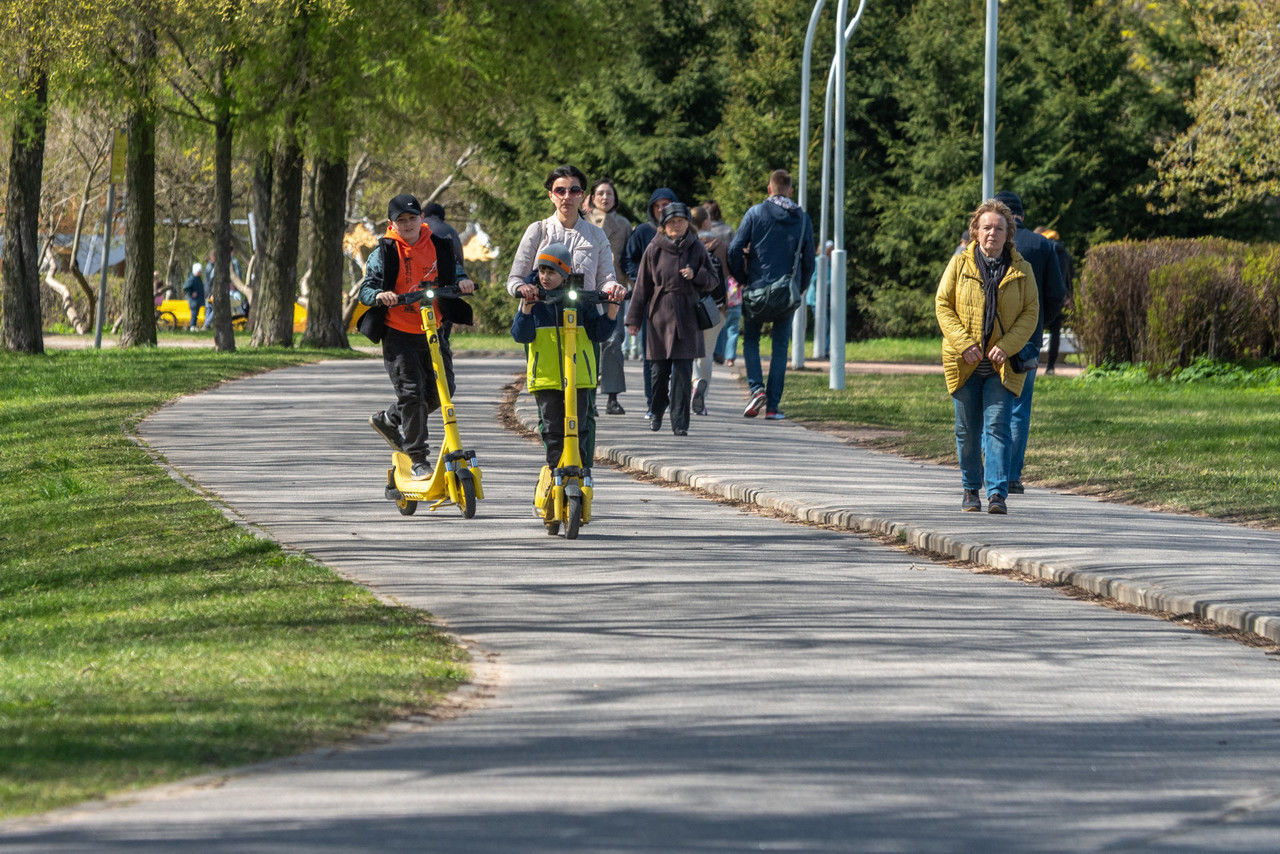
{"x": 718, "y": 250}
{"x": 1040, "y": 255}
{"x": 636, "y": 245}
{"x": 194, "y": 289}
{"x": 763, "y": 250}
{"x": 603, "y": 200}
{"x": 433, "y": 215}
{"x": 1067, "y": 266}
{"x": 674, "y": 271}
{"x": 987, "y": 304}
{"x": 159, "y": 287}
{"x": 715, "y": 222}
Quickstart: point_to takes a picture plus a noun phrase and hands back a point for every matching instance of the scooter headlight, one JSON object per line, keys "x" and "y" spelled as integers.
{"x": 573, "y": 296}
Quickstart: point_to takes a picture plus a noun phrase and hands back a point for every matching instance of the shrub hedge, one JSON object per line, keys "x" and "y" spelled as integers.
{"x": 1167, "y": 302}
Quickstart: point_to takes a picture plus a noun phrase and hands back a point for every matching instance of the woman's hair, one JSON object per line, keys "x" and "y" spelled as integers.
{"x": 565, "y": 171}
{"x": 597, "y": 185}
{"x": 992, "y": 206}
{"x": 713, "y": 210}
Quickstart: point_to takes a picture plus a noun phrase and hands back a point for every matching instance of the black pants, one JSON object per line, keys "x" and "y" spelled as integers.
{"x": 1055, "y": 336}
{"x": 408, "y": 364}
{"x": 551, "y": 424}
{"x": 672, "y": 380}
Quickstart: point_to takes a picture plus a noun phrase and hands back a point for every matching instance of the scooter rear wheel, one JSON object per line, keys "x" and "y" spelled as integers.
{"x": 468, "y": 486}
{"x": 574, "y": 512}
{"x": 406, "y": 507}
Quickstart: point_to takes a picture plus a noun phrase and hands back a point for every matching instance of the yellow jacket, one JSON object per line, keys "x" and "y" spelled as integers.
{"x": 959, "y": 305}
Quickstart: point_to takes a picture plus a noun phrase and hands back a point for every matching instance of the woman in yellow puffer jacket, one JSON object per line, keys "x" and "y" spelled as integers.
{"x": 987, "y": 305}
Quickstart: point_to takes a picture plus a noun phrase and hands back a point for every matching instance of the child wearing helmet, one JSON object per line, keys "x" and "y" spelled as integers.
{"x": 537, "y": 326}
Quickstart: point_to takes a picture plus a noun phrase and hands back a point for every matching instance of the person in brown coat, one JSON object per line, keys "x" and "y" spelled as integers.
{"x": 674, "y": 272}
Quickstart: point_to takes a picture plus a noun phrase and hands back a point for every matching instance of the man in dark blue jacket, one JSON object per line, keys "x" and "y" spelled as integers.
{"x": 1043, "y": 259}
{"x": 764, "y": 249}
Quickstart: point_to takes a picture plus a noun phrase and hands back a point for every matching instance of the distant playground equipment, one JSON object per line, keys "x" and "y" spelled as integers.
{"x": 456, "y": 478}
{"x": 563, "y": 494}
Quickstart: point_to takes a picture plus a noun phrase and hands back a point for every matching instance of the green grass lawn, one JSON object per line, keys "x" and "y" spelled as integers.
{"x": 146, "y": 638}
{"x": 1204, "y": 447}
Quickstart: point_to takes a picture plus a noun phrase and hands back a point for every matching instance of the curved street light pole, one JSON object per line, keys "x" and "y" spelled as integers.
{"x": 800, "y": 317}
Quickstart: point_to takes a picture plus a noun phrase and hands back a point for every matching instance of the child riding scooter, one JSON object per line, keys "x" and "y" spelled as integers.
{"x": 561, "y": 374}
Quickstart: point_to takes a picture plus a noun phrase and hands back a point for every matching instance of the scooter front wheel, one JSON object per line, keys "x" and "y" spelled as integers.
{"x": 574, "y": 520}
{"x": 468, "y": 487}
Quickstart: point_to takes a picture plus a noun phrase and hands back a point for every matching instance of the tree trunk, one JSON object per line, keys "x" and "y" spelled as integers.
{"x": 261, "y": 218}
{"x": 20, "y": 327}
{"x": 224, "y": 339}
{"x": 138, "y": 311}
{"x": 329, "y": 218}
{"x": 273, "y": 310}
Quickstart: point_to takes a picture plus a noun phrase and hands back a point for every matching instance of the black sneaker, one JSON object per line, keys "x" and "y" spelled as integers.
{"x": 699, "y": 402}
{"x": 421, "y": 470}
{"x": 614, "y": 408}
{"x": 995, "y": 504}
{"x": 655, "y": 423}
{"x": 755, "y": 405}
{"x": 1015, "y": 487}
{"x": 378, "y": 421}
{"x": 971, "y": 503}
{"x": 680, "y": 432}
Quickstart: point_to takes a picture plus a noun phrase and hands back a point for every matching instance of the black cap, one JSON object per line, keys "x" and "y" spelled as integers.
{"x": 403, "y": 203}
{"x": 1010, "y": 201}
{"x": 673, "y": 210}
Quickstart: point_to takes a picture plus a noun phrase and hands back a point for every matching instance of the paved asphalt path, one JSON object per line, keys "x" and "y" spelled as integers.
{"x": 688, "y": 677}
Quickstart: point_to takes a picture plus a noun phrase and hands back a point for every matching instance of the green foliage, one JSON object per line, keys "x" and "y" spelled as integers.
{"x": 1168, "y": 302}
{"x": 902, "y": 312}
{"x": 1198, "y": 307}
{"x": 1110, "y": 313}
{"x": 147, "y": 638}
{"x": 494, "y": 308}
{"x": 1227, "y": 159}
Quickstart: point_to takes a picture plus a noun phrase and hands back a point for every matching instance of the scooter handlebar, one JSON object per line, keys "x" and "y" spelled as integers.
{"x": 430, "y": 290}
{"x": 571, "y": 296}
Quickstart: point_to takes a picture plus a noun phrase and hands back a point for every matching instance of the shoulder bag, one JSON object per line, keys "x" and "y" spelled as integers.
{"x": 772, "y": 301}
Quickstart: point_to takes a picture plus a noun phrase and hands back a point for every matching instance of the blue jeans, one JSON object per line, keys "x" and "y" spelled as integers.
{"x": 983, "y": 407}
{"x": 727, "y": 342}
{"x": 1020, "y": 424}
{"x": 781, "y": 337}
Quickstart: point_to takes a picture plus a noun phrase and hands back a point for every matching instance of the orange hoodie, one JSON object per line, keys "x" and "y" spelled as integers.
{"x": 417, "y": 262}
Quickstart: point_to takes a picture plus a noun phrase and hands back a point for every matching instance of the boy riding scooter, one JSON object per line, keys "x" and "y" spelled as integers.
{"x": 538, "y": 325}
{"x": 405, "y": 257}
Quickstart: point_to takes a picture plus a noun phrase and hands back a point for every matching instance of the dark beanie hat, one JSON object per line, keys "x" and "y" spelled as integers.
{"x": 433, "y": 209}
{"x": 1010, "y": 201}
{"x": 673, "y": 210}
{"x": 403, "y": 203}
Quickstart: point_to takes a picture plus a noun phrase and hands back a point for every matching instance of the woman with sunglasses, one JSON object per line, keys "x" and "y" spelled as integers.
{"x": 588, "y": 243}
{"x": 588, "y": 246}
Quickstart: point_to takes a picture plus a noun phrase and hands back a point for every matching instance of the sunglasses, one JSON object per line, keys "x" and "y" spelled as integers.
{"x": 567, "y": 191}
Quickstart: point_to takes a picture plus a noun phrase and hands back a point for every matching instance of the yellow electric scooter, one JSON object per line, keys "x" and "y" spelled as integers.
{"x": 563, "y": 494}
{"x": 456, "y": 479}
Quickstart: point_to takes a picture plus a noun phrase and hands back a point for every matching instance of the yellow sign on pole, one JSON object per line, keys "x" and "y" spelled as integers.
{"x": 118, "y": 151}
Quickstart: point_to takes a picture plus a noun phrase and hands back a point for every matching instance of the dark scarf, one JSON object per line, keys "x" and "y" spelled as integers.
{"x": 992, "y": 270}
